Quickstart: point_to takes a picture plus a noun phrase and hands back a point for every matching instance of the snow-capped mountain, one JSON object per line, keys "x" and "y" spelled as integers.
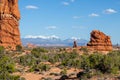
{"x": 52, "y": 41}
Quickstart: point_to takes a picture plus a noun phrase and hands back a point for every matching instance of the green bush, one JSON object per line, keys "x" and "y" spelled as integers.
{"x": 7, "y": 76}
{"x": 95, "y": 59}
{"x": 85, "y": 50}
{"x": 85, "y": 62}
{"x": 27, "y": 60}
{"x": 39, "y": 50}
{"x": 63, "y": 72}
{"x": 6, "y": 64}
{"x": 40, "y": 67}
{"x": 107, "y": 65}
{"x": 2, "y": 49}
{"x": 18, "y": 48}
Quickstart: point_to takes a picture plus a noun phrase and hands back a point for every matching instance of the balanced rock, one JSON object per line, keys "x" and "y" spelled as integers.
{"x": 99, "y": 41}
{"x": 9, "y": 24}
{"x": 74, "y": 44}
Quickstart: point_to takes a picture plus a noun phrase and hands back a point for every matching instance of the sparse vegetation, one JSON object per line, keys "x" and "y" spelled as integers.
{"x": 1, "y": 49}
{"x": 63, "y": 72}
{"x": 42, "y": 60}
{"x": 7, "y": 67}
{"x": 18, "y": 48}
{"x": 85, "y": 50}
{"x": 40, "y": 67}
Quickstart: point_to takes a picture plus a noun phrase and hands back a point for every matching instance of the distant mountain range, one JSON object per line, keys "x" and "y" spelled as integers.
{"x": 53, "y": 41}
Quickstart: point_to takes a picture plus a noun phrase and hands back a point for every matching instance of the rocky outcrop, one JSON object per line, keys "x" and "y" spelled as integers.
{"x": 74, "y": 44}
{"x": 9, "y": 24}
{"x": 99, "y": 41}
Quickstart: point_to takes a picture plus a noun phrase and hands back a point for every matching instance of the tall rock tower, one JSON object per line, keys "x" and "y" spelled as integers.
{"x": 9, "y": 24}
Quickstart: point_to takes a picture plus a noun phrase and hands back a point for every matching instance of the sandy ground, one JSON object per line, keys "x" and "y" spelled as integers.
{"x": 32, "y": 76}
{"x": 37, "y": 76}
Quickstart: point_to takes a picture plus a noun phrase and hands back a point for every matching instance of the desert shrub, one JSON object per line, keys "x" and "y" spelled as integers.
{"x": 18, "y": 48}
{"x": 84, "y": 74}
{"x": 53, "y": 58}
{"x": 85, "y": 50}
{"x": 63, "y": 77}
{"x": 114, "y": 70}
{"x": 22, "y": 78}
{"x": 73, "y": 55}
{"x": 63, "y": 56}
{"x": 71, "y": 63}
{"x": 77, "y": 63}
{"x": 39, "y": 50}
{"x": 68, "y": 59}
{"x": 107, "y": 65}
{"x": 80, "y": 74}
{"x": 6, "y": 64}
{"x": 36, "y": 53}
{"x": 40, "y": 53}
{"x": 27, "y": 60}
{"x": 43, "y": 67}
{"x": 1, "y": 49}
{"x": 115, "y": 57}
{"x": 85, "y": 62}
{"x": 40, "y": 67}
{"x": 44, "y": 57}
{"x": 7, "y": 76}
{"x": 63, "y": 72}
{"x": 95, "y": 59}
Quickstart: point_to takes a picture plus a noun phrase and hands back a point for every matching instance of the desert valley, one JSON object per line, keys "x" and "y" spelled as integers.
{"x": 51, "y": 58}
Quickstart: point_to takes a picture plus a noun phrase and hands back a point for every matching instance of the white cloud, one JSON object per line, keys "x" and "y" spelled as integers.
{"x": 31, "y": 7}
{"x": 94, "y": 15}
{"x": 51, "y": 27}
{"x": 76, "y": 17}
{"x": 110, "y": 11}
{"x": 42, "y": 37}
{"x": 72, "y": 0}
{"x": 65, "y": 3}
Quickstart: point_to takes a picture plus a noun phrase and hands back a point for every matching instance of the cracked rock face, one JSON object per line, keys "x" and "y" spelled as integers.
{"x": 9, "y": 24}
{"x": 99, "y": 41}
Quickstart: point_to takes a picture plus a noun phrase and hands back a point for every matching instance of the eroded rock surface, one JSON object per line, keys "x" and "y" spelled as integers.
{"x": 9, "y": 24}
{"x": 99, "y": 41}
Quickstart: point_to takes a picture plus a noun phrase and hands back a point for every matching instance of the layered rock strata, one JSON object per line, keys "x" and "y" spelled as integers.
{"x": 9, "y": 24}
{"x": 99, "y": 41}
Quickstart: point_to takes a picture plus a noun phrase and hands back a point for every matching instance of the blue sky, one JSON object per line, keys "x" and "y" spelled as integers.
{"x": 70, "y": 18}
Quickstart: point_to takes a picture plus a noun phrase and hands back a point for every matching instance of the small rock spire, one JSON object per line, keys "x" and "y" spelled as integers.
{"x": 75, "y": 44}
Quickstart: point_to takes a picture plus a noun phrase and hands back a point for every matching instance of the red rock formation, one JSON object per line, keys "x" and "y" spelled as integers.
{"x": 75, "y": 44}
{"x": 99, "y": 41}
{"x": 9, "y": 22}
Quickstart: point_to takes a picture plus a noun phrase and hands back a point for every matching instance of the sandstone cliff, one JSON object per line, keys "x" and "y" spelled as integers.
{"x": 9, "y": 24}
